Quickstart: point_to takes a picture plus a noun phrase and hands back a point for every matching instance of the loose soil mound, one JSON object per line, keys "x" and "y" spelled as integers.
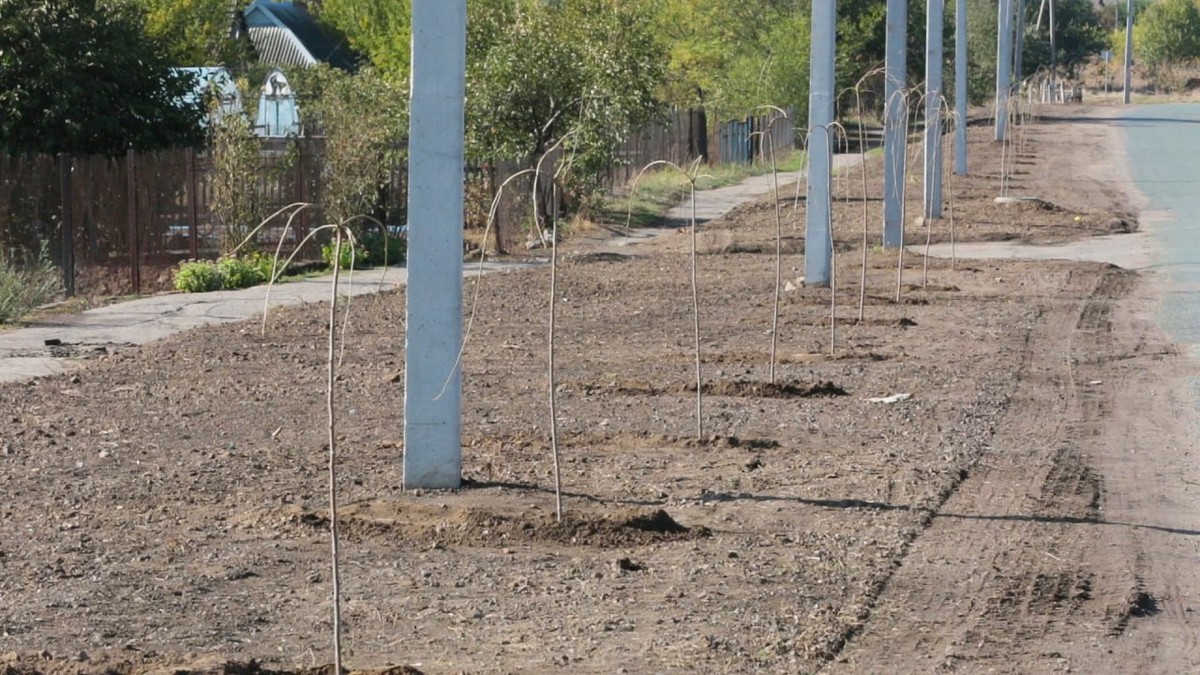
{"x": 425, "y": 525}
{"x": 734, "y": 388}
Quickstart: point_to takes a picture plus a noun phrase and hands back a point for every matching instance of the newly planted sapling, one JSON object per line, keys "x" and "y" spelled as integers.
{"x": 691, "y": 174}
{"x": 833, "y": 131}
{"x": 770, "y": 140}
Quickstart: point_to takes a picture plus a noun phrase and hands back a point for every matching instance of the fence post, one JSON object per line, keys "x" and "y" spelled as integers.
{"x": 135, "y": 269}
{"x": 300, "y": 229}
{"x": 193, "y": 215}
{"x": 68, "y": 224}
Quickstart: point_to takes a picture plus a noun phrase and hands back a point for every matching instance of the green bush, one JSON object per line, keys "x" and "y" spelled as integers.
{"x": 361, "y": 257}
{"x": 201, "y": 276}
{"x": 397, "y": 249}
{"x": 24, "y": 287}
{"x": 198, "y": 276}
{"x": 239, "y": 273}
{"x": 265, "y": 261}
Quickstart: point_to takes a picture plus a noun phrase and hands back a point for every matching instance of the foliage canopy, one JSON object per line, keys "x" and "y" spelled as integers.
{"x": 195, "y": 32}
{"x": 82, "y": 76}
{"x": 1167, "y": 31}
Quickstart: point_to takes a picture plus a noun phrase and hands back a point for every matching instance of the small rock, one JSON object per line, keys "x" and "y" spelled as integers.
{"x": 627, "y": 565}
{"x": 239, "y": 574}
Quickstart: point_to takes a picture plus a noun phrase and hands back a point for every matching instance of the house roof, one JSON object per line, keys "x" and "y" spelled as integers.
{"x": 286, "y": 34}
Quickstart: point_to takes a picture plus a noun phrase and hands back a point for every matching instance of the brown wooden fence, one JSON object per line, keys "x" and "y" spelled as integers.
{"x": 119, "y": 225}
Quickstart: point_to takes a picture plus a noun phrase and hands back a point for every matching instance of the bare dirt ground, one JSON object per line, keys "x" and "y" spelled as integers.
{"x": 1024, "y": 510}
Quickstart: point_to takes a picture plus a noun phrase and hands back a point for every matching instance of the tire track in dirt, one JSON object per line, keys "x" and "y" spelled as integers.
{"x": 1143, "y": 454}
{"x": 999, "y": 568}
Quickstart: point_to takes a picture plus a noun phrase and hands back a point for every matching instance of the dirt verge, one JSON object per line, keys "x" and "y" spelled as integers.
{"x": 169, "y": 500}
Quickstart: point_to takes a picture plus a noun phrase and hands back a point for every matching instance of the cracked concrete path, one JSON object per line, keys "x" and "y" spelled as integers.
{"x": 55, "y": 343}
{"x": 714, "y": 203}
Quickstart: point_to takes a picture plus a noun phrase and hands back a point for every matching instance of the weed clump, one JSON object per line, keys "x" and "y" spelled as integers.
{"x": 26, "y": 285}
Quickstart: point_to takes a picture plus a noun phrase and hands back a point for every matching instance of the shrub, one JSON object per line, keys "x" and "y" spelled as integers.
{"x": 24, "y": 287}
{"x": 397, "y": 248}
{"x": 264, "y": 262}
{"x": 197, "y": 276}
{"x": 240, "y": 273}
{"x": 361, "y": 257}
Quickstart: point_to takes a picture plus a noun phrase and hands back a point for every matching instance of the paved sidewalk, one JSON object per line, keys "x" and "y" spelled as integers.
{"x": 52, "y": 344}
{"x": 712, "y": 204}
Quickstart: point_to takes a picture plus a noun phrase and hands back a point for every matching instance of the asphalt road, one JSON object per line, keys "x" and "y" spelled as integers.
{"x": 1162, "y": 144}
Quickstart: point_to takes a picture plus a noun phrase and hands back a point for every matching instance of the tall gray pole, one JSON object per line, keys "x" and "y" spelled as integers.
{"x": 960, "y": 87}
{"x": 433, "y": 412}
{"x": 895, "y": 133}
{"x": 818, "y": 249}
{"x": 1128, "y": 51}
{"x": 934, "y": 22}
{"x": 1003, "y": 65}
{"x": 1053, "y": 58}
{"x": 1019, "y": 45}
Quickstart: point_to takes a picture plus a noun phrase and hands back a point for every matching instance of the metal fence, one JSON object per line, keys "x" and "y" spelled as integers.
{"x": 119, "y": 225}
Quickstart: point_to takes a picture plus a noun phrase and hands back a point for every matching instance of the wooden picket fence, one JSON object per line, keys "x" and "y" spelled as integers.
{"x": 118, "y": 225}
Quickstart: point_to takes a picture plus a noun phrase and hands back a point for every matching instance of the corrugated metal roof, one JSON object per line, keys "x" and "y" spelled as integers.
{"x": 279, "y": 46}
{"x": 306, "y": 44}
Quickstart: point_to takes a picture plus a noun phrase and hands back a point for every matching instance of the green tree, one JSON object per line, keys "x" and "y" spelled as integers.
{"x": 236, "y": 197}
{"x": 1079, "y": 36}
{"x": 380, "y": 29}
{"x": 195, "y": 32}
{"x": 1167, "y": 32}
{"x": 589, "y": 69}
{"x": 703, "y": 39}
{"x": 363, "y": 117}
{"x": 775, "y": 73}
{"x": 81, "y": 76}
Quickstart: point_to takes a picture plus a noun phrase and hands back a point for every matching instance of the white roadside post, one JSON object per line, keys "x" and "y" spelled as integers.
{"x": 433, "y": 412}
{"x": 1019, "y": 46}
{"x": 818, "y": 249}
{"x": 1003, "y": 67}
{"x": 895, "y": 135}
{"x": 934, "y": 21}
{"x": 960, "y": 87}
{"x": 1128, "y": 52}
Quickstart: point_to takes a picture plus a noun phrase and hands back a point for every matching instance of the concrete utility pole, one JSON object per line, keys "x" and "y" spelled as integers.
{"x": 1128, "y": 51}
{"x": 433, "y": 412}
{"x": 960, "y": 87}
{"x": 1019, "y": 46}
{"x": 1053, "y": 58}
{"x": 895, "y": 133}
{"x": 934, "y": 22}
{"x": 818, "y": 249}
{"x": 1003, "y": 66}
